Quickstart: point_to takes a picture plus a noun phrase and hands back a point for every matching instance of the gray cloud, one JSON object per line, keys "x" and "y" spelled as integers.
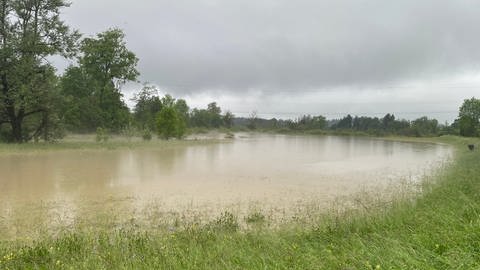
{"x": 283, "y": 45}
{"x": 284, "y": 58}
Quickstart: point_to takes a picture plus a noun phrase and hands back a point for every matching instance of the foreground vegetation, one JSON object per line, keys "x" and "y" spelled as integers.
{"x": 439, "y": 229}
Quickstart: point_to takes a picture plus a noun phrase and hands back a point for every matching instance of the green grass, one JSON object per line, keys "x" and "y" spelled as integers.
{"x": 87, "y": 142}
{"x": 440, "y": 229}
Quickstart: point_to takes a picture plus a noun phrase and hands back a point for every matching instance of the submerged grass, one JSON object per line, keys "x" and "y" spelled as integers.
{"x": 439, "y": 229}
{"x": 87, "y": 142}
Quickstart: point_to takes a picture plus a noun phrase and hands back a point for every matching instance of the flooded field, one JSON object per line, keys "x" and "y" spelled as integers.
{"x": 269, "y": 171}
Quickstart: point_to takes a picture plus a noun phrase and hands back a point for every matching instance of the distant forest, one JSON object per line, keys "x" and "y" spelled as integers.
{"x": 360, "y": 125}
{"x": 38, "y": 104}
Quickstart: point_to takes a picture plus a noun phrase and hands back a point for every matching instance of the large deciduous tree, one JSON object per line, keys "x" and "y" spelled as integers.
{"x": 107, "y": 59}
{"x": 30, "y": 32}
{"x": 105, "y": 65}
{"x": 147, "y": 106}
{"x": 425, "y": 127}
{"x": 171, "y": 121}
{"x": 469, "y": 117}
{"x": 209, "y": 118}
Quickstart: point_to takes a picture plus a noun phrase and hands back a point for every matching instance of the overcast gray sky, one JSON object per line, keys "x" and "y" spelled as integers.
{"x": 285, "y": 58}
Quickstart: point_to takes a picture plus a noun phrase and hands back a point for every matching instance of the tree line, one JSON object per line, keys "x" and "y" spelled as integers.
{"x": 467, "y": 124}
{"x": 170, "y": 117}
{"x": 38, "y": 104}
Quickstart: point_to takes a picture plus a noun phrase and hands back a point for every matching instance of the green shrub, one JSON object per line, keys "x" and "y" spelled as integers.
{"x": 147, "y": 134}
{"x": 256, "y": 218}
{"x": 102, "y": 135}
{"x": 170, "y": 124}
{"x": 226, "y": 222}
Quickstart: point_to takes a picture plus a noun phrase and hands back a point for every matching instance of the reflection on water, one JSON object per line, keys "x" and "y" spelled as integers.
{"x": 271, "y": 169}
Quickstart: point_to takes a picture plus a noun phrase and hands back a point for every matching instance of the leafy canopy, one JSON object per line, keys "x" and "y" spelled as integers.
{"x": 30, "y": 31}
{"x": 469, "y": 117}
{"x": 93, "y": 87}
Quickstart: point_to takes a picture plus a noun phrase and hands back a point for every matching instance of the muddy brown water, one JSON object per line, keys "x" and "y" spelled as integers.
{"x": 268, "y": 170}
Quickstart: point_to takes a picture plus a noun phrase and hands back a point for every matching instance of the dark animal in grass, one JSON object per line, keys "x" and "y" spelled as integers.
{"x": 471, "y": 147}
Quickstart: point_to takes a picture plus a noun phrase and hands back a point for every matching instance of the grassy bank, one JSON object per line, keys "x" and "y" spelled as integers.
{"x": 438, "y": 230}
{"x": 88, "y": 142}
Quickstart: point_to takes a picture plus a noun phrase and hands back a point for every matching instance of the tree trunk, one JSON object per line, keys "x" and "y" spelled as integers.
{"x": 17, "y": 130}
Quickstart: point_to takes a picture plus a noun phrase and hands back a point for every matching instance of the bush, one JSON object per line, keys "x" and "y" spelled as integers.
{"x": 226, "y": 222}
{"x": 147, "y": 135}
{"x": 170, "y": 124}
{"x": 102, "y": 135}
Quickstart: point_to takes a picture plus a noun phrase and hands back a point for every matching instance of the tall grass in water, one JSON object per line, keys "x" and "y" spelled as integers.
{"x": 438, "y": 230}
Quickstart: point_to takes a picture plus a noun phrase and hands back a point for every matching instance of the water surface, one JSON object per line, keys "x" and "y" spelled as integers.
{"x": 271, "y": 170}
